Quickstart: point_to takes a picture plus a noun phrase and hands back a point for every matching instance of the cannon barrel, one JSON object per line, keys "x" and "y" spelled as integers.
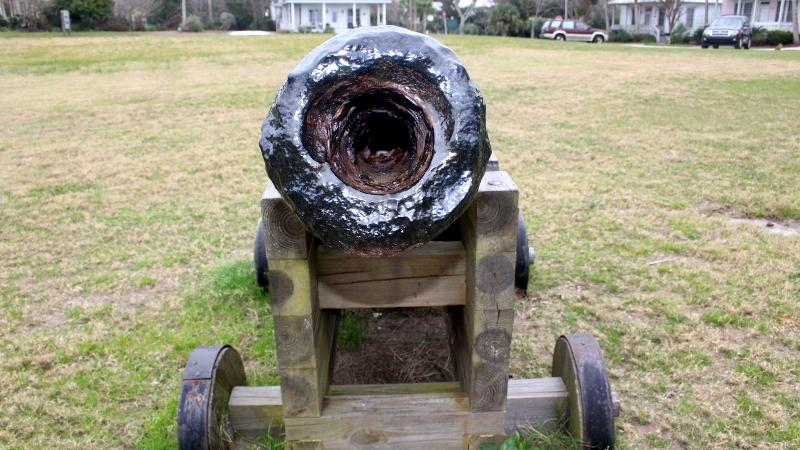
{"x": 377, "y": 140}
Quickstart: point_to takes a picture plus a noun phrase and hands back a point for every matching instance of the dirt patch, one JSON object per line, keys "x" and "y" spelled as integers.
{"x": 783, "y": 227}
{"x": 402, "y": 345}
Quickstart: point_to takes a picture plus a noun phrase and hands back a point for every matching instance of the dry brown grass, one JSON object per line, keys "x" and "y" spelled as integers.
{"x": 129, "y": 167}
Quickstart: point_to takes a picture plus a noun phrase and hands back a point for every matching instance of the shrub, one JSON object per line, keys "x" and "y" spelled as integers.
{"x": 679, "y": 35}
{"x": 759, "y": 36}
{"x": 620, "y": 36}
{"x": 227, "y": 21}
{"x": 263, "y": 23}
{"x": 329, "y": 29}
{"x": 86, "y": 13}
{"x": 117, "y": 24}
{"x": 471, "y": 28}
{"x": 537, "y": 26}
{"x": 775, "y": 37}
{"x": 644, "y": 38}
{"x": 193, "y": 24}
{"x": 697, "y": 36}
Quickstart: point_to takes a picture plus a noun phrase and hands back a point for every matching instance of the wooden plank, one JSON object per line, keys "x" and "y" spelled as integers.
{"x": 429, "y": 275}
{"x": 480, "y": 441}
{"x": 395, "y": 389}
{"x": 286, "y": 237}
{"x": 531, "y": 403}
{"x": 256, "y": 410}
{"x": 415, "y": 421}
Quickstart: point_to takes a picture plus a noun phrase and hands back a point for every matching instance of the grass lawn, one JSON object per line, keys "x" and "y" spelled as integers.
{"x": 129, "y": 185}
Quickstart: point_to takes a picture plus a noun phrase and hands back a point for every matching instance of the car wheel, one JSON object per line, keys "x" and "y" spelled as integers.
{"x": 738, "y": 44}
{"x": 704, "y": 46}
{"x": 560, "y": 37}
{"x": 749, "y": 43}
{"x": 598, "y": 39}
{"x": 716, "y": 46}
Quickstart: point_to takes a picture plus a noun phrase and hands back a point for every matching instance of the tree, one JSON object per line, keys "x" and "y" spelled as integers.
{"x": 87, "y": 13}
{"x": 505, "y": 20}
{"x": 465, "y": 9}
{"x": 672, "y": 9}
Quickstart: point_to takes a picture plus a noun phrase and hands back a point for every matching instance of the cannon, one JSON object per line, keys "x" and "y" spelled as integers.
{"x": 384, "y": 193}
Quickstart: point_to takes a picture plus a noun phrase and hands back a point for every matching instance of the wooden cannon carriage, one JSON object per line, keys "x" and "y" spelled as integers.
{"x": 471, "y": 274}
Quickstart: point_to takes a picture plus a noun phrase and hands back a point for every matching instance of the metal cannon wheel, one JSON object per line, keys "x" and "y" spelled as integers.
{"x": 524, "y": 256}
{"x": 260, "y": 255}
{"x": 210, "y": 375}
{"x": 578, "y": 361}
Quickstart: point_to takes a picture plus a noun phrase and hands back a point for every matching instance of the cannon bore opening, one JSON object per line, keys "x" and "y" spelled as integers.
{"x": 375, "y": 134}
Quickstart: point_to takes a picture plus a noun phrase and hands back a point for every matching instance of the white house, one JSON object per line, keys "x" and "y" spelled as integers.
{"x": 653, "y": 17}
{"x": 339, "y": 14}
{"x": 769, "y": 14}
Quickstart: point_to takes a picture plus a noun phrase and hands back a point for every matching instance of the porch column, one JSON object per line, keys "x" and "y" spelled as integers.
{"x": 324, "y": 16}
{"x": 383, "y": 13}
{"x": 355, "y": 18}
{"x": 754, "y": 11}
{"x": 294, "y": 27}
{"x": 738, "y": 8}
{"x": 782, "y": 12}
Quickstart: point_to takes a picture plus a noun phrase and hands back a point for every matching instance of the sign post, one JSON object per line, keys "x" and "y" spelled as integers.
{"x": 65, "y": 25}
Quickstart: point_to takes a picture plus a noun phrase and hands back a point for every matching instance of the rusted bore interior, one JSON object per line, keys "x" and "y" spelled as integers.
{"x": 374, "y": 133}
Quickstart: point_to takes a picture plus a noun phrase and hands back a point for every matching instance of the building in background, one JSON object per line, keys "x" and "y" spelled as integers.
{"x": 653, "y": 19}
{"x": 338, "y": 14}
{"x": 769, "y": 14}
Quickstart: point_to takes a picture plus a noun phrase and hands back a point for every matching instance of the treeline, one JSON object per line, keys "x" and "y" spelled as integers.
{"x": 503, "y": 17}
{"x": 135, "y": 15}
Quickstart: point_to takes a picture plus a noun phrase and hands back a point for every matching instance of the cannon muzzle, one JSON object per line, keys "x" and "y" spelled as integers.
{"x": 377, "y": 140}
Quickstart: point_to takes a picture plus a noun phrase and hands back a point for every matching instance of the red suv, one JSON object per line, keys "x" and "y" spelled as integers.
{"x": 571, "y": 30}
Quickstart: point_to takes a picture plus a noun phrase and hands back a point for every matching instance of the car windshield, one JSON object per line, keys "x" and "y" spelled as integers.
{"x": 546, "y": 24}
{"x": 727, "y": 22}
{"x": 556, "y": 24}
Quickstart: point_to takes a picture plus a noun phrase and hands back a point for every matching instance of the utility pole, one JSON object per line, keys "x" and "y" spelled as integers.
{"x": 211, "y": 13}
{"x": 566, "y": 9}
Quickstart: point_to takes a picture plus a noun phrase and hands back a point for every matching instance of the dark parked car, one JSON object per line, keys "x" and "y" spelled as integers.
{"x": 571, "y": 30}
{"x": 728, "y": 30}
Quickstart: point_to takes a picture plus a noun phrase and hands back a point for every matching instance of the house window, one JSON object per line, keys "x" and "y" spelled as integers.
{"x": 334, "y": 17}
{"x": 748, "y": 10}
{"x": 788, "y": 16}
{"x": 314, "y": 16}
{"x": 647, "y": 13}
{"x": 689, "y": 18}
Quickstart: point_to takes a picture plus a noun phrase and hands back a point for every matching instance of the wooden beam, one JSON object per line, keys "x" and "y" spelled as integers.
{"x": 531, "y": 403}
{"x": 286, "y": 237}
{"x": 303, "y": 333}
{"x": 429, "y": 275}
{"x": 483, "y": 329}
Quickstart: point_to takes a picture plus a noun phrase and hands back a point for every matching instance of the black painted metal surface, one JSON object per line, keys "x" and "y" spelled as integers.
{"x": 377, "y": 140}
{"x": 579, "y": 361}
{"x": 208, "y": 379}
{"x": 523, "y": 266}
